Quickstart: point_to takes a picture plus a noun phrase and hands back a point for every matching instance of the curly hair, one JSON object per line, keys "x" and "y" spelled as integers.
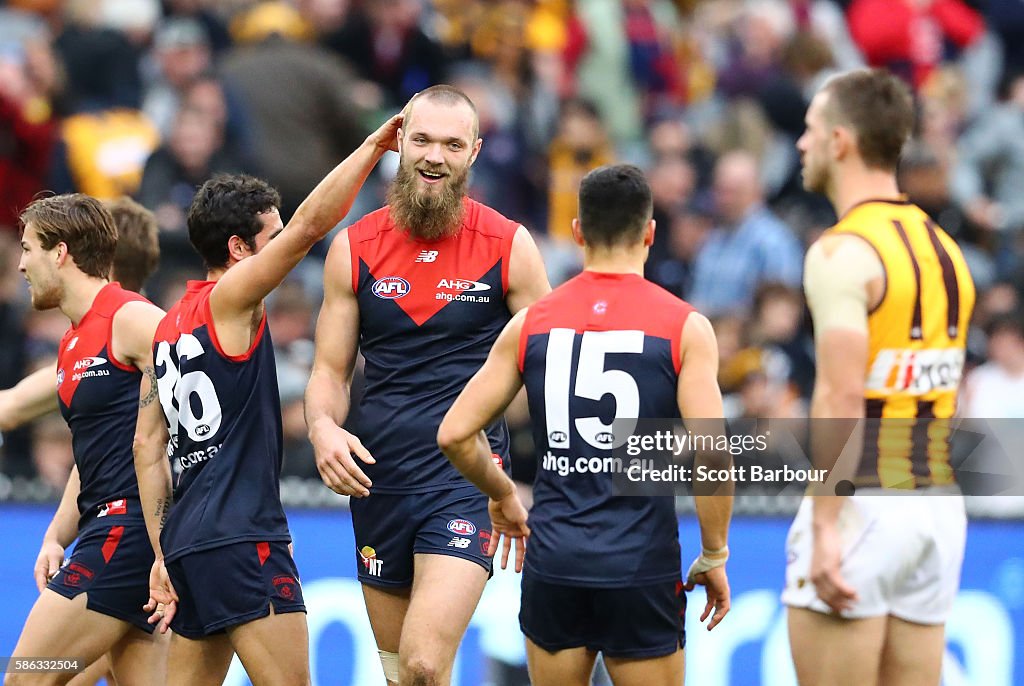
{"x": 228, "y": 205}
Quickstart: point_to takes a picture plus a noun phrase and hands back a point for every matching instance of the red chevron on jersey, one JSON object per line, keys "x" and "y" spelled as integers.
{"x": 423, "y": 277}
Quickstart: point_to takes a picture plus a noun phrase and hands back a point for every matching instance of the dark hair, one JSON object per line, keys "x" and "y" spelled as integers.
{"x": 228, "y": 205}
{"x": 615, "y": 205}
{"x": 446, "y": 95}
{"x": 80, "y": 222}
{"x": 138, "y": 248}
{"x": 878, "y": 107}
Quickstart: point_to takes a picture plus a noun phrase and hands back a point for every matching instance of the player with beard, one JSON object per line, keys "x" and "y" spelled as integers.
{"x": 422, "y": 287}
{"x": 90, "y": 606}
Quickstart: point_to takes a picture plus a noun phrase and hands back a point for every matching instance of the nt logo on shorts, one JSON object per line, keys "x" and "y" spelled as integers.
{"x": 370, "y": 561}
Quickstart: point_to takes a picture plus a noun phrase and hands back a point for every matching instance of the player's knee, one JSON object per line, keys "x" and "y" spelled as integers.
{"x": 420, "y": 670}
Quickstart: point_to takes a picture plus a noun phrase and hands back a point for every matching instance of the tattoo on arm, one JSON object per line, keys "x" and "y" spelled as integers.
{"x": 163, "y": 506}
{"x": 153, "y": 391}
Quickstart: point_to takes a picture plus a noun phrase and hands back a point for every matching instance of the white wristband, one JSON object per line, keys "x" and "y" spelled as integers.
{"x": 708, "y": 560}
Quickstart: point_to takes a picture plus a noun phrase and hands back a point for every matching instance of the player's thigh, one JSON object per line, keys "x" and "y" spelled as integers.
{"x": 140, "y": 658}
{"x": 830, "y": 651}
{"x": 445, "y": 594}
{"x": 63, "y": 627}
{"x": 386, "y": 608}
{"x": 667, "y": 670}
{"x": 912, "y": 655}
{"x": 198, "y": 662}
{"x": 269, "y": 660}
{"x": 568, "y": 667}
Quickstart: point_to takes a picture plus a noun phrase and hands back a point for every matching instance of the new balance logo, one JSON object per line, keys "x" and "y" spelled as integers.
{"x": 427, "y": 256}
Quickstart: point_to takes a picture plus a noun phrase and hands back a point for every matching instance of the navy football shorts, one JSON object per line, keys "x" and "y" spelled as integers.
{"x": 390, "y": 529}
{"x": 223, "y": 587}
{"x": 110, "y": 564}
{"x": 631, "y": 622}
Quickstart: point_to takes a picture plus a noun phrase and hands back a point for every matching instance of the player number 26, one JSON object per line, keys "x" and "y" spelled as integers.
{"x": 181, "y": 395}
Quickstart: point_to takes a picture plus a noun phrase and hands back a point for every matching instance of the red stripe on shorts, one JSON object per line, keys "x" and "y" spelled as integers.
{"x": 110, "y": 545}
{"x": 263, "y": 550}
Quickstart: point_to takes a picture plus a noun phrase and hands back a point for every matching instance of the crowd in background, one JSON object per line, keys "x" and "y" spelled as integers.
{"x": 148, "y": 99}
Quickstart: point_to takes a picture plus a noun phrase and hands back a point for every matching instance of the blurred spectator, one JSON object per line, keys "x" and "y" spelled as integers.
{"x": 382, "y": 39}
{"x": 687, "y": 230}
{"x": 106, "y": 140}
{"x": 925, "y": 180}
{"x": 776, "y": 327}
{"x": 290, "y": 318}
{"x": 298, "y": 95}
{"x": 207, "y": 94}
{"x": 51, "y": 451}
{"x": 192, "y": 154}
{"x": 748, "y": 247}
{"x": 990, "y": 162}
{"x": 580, "y": 144}
{"x": 213, "y": 25}
{"x": 673, "y": 181}
{"x": 28, "y": 128}
{"x": 911, "y": 37}
{"x": 181, "y": 50}
{"x": 995, "y": 390}
{"x": 616, "y": 42}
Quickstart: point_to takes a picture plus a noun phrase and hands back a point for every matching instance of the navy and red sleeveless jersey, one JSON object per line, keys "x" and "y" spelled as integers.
{"x": 99, "y": 399}
{"x": 600, "y": 347}
{"x": 429, "y": 312}
{"x": 224, "y": 417}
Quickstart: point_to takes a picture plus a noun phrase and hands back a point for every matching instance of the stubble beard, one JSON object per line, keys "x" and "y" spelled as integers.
{"x": 427, "y": 215}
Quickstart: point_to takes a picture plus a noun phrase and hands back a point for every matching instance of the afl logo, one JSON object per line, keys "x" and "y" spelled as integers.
{"x": 202, "y": 429}
{"x": 60, "y": 376}
{"x": 391, "y": 288}
{"x": 604, "y": 438}
{"x": 558, "y": 437}
{"x": 462, "y": 527}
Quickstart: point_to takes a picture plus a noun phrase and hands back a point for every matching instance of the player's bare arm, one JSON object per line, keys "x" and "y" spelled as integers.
{"x": 700, "y": 402}
{"x": 527, "y": 278}
{"x": 153, "y": 472}
{"x": 462, "y": 439}
{"x": 134, "y": 327}
{"x": 327, "y": 399}
{"x": 32, "y": 397}
{"x": 239, "y": 293}
{"x": 840, "y": 272}
{"x": 62, "y": 531}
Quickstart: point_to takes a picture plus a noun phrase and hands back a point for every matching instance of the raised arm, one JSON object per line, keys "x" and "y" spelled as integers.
{"x": 700, "y": 403}
{"x": 462, "y": 439}
{"x": 527, "y": 278}
{"x": 245, "y": 285}
{"x": 328, "y": 392}
{"x": 32, "y": 397}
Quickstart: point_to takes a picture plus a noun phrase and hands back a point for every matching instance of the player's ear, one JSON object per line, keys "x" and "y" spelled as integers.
{"x": 649, "y": 233}
{"x": 60, "y": 253}
{"x": 401, "y": 137}
{"x": 476, "y": 150}
{"x": 577, "y": 232}
{"x": 237, "y": 248}
{"x": 841, "y": 142}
